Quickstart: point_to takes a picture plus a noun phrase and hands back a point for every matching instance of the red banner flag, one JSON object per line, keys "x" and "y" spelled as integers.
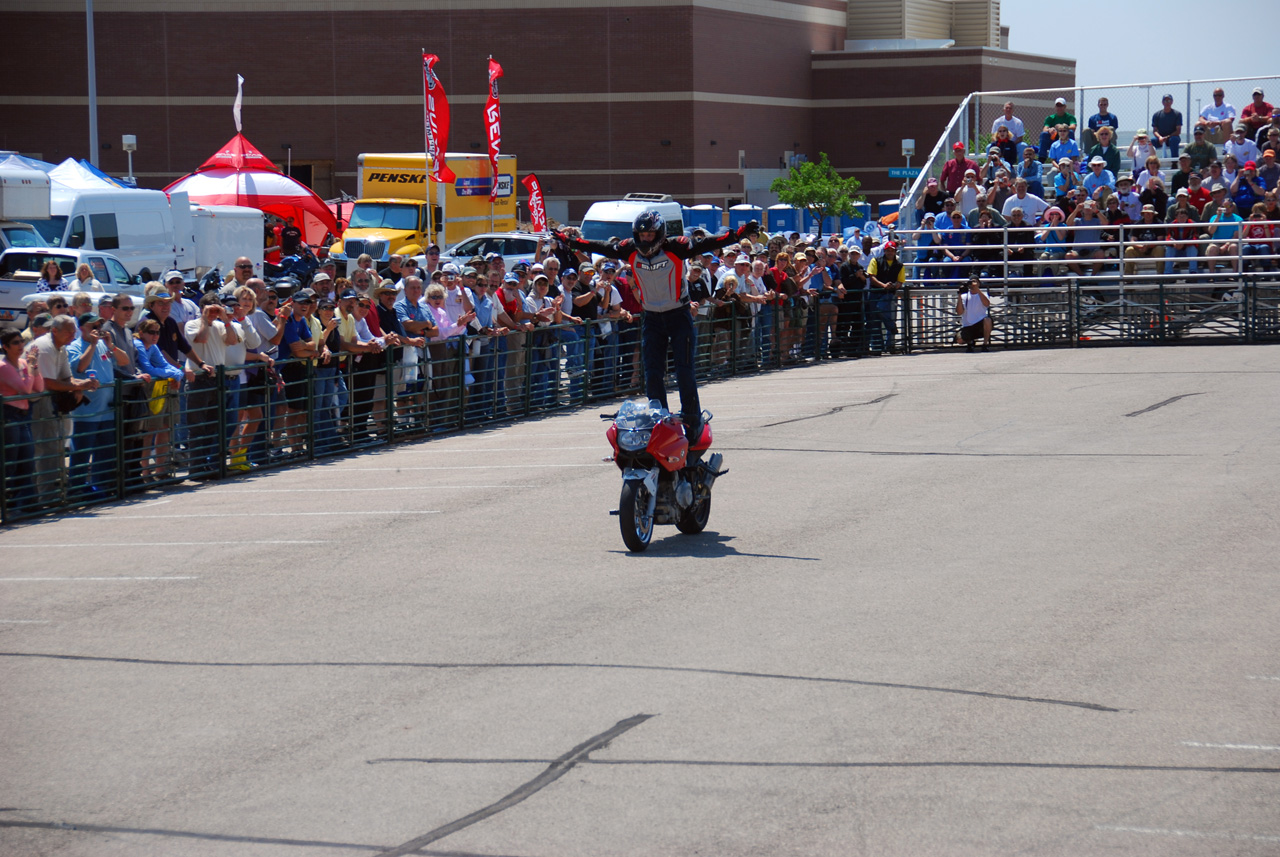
{"x": 493, "y": 121}
{"x": 537, "y": 212}
{"x": 436, "y": 107}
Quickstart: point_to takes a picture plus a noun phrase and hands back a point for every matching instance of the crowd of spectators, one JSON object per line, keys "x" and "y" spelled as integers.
{"x": 246, "y": 375}
{"x": 1066, "y": 203}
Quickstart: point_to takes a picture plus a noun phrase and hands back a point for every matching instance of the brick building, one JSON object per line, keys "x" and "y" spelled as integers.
{"x": 703, "y": 99}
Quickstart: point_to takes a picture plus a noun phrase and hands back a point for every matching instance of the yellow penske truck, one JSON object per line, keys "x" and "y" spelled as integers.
{"x": 400, "y": 210}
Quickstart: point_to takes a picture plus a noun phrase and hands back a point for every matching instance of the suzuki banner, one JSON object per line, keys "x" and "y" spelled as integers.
{"x": 537, "y": 212}
{"x": 493, "y": 121}
{"x": 436, "y": 107}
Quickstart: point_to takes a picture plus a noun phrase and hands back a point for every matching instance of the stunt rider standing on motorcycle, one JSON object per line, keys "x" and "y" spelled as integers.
{"x": 658, "y": 265}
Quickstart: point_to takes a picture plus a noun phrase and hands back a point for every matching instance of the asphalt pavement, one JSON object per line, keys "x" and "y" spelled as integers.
{"x": 1012, "y": 603}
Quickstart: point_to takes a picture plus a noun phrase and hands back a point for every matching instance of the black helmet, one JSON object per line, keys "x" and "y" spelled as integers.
{"x": 649, "y": 221}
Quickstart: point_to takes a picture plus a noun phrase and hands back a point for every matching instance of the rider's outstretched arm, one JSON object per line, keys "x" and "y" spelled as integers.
{"x": 620, "y": 250}
{"x": 715, "y": 242}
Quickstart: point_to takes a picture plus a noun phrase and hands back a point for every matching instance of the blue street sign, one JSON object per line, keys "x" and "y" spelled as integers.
{"x": 903, "y": 172}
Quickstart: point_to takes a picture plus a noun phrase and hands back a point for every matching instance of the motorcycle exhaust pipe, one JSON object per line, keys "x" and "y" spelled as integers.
{"x": 711, "y": 469}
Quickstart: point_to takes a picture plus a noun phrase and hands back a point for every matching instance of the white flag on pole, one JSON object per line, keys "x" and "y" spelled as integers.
{"x": 235, "y": 110}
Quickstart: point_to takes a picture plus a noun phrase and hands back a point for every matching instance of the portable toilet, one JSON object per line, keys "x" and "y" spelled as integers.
{"x": 709, "y": 217}
{"x": 783, "y": 218}
{"x": 889, "y": 206}
{"x": 830, "y": 225}
{"x": 740, "y": 214}
{"x": 861, "y": 214}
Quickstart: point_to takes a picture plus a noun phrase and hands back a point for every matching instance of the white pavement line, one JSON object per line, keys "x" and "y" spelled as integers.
{"x": 348, "y": 490}
{"x": 461, "y": 467}
{"x": 1231, "y": 746}
{"x": 24, "y": 621}
{"x": 177, "y": 544}
{"x": 344, "y": 514}
{"x": 84, "y": 579}
{"x": 1263, "y": 677}
{"x": 1192, "y": 834}
{"x": 503, "y": 450}
{"x": 155, "y": 503}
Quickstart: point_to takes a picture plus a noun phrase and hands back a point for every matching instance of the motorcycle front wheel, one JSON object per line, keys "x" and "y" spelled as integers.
{"x": 633, "y": 515}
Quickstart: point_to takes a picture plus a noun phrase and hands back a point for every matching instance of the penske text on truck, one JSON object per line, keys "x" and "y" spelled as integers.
{"x": 391, "y": 214}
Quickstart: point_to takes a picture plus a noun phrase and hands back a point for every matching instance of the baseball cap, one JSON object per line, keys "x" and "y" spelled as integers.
{"x": 957, "y": 146}
{"x": 931, "y": 183}
{"x": 348, "y": 295}
{"x": 539, "y": 278}
{"x": 512, "y": 277}
{"x": 42, "y": 320}
{"x": 586, "y": 266}
{"x": 303, "y": 295}
{"x": 469, "y": 271}
{"x": 326, "y": 262}
{"x": 1250, "y": 165}
{"x": 569, "y": 272}
{"x": 1199, "y": 131}
{"x": 609, "y": 265}
{"x": 520, "y": 266}
{"x": 88, "y": 318}
{"x": 1257, "y": 90}
{"x": 1149, "y": 207}
{"x": 489, "y": 257}
{"x": 450, "y": 268}
{"x": 891, "y": 245}
{"x": 106, "y": 299}
{"x": 742, "y": 259}
{"x": 1182, "y": 191}
{"x": 1166, "y": 97}
{"x": 230, "y": 301}
{"x": 1060, "y": 100}
{"x": 173, "y": 275}
{"x": 321, "y": 277}
{"x": 475, "y": 260}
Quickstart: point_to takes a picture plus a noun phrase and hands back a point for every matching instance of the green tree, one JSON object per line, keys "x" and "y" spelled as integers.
{"x": 818, "y": 188}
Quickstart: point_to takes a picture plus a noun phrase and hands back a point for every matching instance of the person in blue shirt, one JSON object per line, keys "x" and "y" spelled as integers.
{"x": 1099, "y": 177}
{"x": 93, "y": 440}
{"x": 954, "y": 240}
{"x": 1031, "y": 170}
{"x": 1064, "y": 146}
{"x": 1104, "y": 118}
{"x": 155, "y": 428}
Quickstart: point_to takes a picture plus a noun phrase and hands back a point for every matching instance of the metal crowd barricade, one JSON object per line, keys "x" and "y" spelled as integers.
{"x": 298, "y": 411}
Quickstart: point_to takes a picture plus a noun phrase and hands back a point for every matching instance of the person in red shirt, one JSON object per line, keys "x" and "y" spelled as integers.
{"x": 1197, "y": 195}
{"x": 1257, "y": 114}
{"x": 953, "y": 170}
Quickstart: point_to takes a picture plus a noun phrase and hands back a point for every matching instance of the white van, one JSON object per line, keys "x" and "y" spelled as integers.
{"x": 613, "y": 219}
{"x": 142, "y": 228}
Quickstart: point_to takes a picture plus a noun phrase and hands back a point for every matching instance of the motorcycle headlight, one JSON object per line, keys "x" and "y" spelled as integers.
{"x": 633, "y": 439}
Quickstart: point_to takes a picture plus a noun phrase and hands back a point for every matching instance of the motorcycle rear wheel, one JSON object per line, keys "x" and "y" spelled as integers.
{"x": 633, "y": 518}
{"x": 694, "y": 519}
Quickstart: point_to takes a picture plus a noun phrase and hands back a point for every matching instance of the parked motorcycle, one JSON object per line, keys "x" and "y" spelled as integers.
{"x": 298, "y": 267}
{"x": 665, "y": 479}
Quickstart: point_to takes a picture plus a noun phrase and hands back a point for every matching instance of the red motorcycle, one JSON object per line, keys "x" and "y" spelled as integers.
{"x": 665, "y": 479}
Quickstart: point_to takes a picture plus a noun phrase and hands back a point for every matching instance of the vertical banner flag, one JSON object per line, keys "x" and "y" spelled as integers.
{"x": 235, "y": 108}
{"x": 436, "y": 107}
{"x": 537, "y": 212}
{"x": 493, "y": 120}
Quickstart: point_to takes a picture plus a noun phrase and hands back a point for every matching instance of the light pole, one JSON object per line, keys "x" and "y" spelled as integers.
{"x": 288, "y": 164}
{"x": 93, "y": 83}
{"x": 129, "y": 143}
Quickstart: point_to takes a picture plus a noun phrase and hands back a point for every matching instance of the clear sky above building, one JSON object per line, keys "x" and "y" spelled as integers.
{"x": 1116, "y": 42}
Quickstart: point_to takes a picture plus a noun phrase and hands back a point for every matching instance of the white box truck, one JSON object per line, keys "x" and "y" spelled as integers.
{"x": 24, "y": 195}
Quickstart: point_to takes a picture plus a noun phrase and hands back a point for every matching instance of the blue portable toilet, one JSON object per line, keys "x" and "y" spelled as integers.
{"x": 861, "y": 214}
{"x": 889, "y": 206}
{"x": 830, "y": 225}
{"x": 740, "y": 214}
{"x": 709, "y": 217}
{"x": 783, "y": 218}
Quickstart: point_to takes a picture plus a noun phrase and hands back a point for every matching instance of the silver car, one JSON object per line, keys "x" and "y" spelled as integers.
{"x": 511, "y": 246}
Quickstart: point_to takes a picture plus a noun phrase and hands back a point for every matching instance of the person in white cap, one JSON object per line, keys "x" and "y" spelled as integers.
{"x": 1059, "y": 116}
{"x": 183, "y": 308}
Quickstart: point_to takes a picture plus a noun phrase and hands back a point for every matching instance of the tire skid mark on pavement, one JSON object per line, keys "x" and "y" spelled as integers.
{"x": 557, "y": 768}
{"x": 1169, "y": 401}
{"x": 1092, "y": 706}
